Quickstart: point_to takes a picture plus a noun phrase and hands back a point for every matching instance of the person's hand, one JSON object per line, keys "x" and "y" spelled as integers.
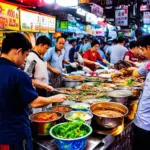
{"x": 73, "y": 65}
{"x": 48, "y": 88}
{"x": 80, "y": 59}
{"x": 87, "y": 70}
{"x": 58, "y": 98}
{"x": 111, "y": 65}
{"x": 56, "y": 71}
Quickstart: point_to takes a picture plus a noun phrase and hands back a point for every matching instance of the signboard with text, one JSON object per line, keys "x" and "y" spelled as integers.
{"x": 146, "y": 17}
{"x": 121, "y": 17}
{"x": 29, "y": 21}
{"x": 44, "y": 23}
{"x": 52, "y": 24}
{"x": 9, "y": 17}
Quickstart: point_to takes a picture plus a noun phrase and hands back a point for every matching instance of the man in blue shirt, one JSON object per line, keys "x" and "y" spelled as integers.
{"x": 103, "y": 56}
{"x": 16, "y": 94}
{"x": 55, "y": 58}
{"x": 142, "y": 119}
{"x": 72, "y": 51}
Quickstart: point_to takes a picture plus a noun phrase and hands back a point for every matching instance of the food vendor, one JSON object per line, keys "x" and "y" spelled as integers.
{"x": 55, "y": 58}
{"x": 36, "y": 68}
{"x": 132, "y": 55}
{"x": 92, "y": 55}
{"x": 142, "y": 118}
{"x": 16, "y": 94}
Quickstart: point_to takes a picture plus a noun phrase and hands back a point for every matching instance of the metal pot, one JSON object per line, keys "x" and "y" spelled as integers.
{"x": 41, "y": 128}
{"x": 109, "y": 122}
{"x": 70, "y": 83}
{"x": 120, "y": 96}
{"x": 56, "y": 108}
{"x": 136, "y": 91}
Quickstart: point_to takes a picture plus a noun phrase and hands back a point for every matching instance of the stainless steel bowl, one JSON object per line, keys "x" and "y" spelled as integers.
{"x": 120, "y": 96}
{"x": 41, "y": 128}
{"x": 109, "y": 122}
{"x": 70, "y": 83}
{"x": 87, "y": 121}
{"x": 136, "y": 91}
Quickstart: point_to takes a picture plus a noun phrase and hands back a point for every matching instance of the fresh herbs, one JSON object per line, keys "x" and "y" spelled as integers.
{"x": 130, "y": 82}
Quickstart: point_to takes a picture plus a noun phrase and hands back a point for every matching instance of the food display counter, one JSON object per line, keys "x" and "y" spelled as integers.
{"x": 95, "y": 141}
{"x": 90, "y": 90}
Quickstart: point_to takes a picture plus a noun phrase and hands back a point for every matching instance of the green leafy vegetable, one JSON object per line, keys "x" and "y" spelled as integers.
{"x": 130, "y": 82}
{"x": 71, "y": 130}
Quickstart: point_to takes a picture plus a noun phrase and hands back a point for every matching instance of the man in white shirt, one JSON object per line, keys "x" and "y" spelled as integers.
{"x": 118, "y": 51}
{"x": 36, "y": 67}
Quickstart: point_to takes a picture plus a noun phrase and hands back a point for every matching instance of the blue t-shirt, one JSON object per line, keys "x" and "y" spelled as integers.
{"x": 72, "y": 54}
{"x": 16, "y": 93}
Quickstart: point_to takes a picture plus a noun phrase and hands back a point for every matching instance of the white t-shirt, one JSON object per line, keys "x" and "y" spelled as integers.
{"x": 39, "y": 71}
{"x": 117, "y": 52}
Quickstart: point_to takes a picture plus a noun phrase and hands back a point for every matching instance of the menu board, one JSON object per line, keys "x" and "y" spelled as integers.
{"x": 29, "y": 21}
{"x": 9, "y": 17}
{"x": 121, "y": 17}
{"x": 52, "y": 24}
{"x": 44, "y": 23}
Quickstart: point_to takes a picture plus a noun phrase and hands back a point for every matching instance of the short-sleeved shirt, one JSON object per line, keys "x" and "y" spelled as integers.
{"x": 16, "y": 93}
{"x": 85, "y": 47}
{"x": 54, "y": 59}
{"x": 117, "y": 53}
{"x": 132, "y": 57}
{"x": 38, "y": 72}
{"x": 72, "y": 54}
{"x": 89, "y": 55}
{"x": 142, "y": 119}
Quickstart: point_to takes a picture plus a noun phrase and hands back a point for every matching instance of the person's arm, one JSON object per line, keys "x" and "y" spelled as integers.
{"x": 136, "y": 73}
{"x": 44, "y": 101}
{"x": 40, "y": 85}
{"x": 106, "y": 62}
{"x": 66, "y": 62}
{"x": 50, "y": 68}
{"x": 28, "y": 95}
{"x": 142, "y": 71}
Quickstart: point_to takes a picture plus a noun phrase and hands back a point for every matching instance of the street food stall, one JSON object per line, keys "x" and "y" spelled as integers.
{"x": 105, "y": 100}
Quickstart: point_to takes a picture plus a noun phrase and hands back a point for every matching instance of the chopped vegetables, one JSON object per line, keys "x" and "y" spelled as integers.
{"x": 79, "y": 116}
{"x": 71, "y": 130}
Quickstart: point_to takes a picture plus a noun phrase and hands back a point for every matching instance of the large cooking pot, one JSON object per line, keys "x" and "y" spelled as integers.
{"x": 71, "y": 83}
{"x": 41, "y": 128}
{"x": 120, "y": 96}
{"x": 105, "y": 121}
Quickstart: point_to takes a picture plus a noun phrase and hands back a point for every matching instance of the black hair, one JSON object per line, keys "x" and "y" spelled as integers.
{"x": 143, "y": 41}
{"x": 115, "y": 41}
{"x": 133, "y": 44}
{"x": 15, "y": 41}
{"x": 94, "y": 42}
{"x": 90, "y": 39}
{"x": 43, "y": 40}
{"x": 83, "y": 38}
{"x": 121, "y": 40}
{"x": 60, "y": 38}
{"x": 72, "y": 41}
